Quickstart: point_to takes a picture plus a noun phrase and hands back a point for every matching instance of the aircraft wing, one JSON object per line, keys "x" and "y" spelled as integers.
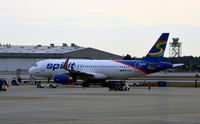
{"x": 152, "y": 66}
{"x": 176, "y": 65}
{"x": 79, "y": 73}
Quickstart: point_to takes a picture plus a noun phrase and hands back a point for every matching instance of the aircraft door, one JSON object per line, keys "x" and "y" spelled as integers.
{"x": 43, "y": 67}
{"x": 136, "y": 65}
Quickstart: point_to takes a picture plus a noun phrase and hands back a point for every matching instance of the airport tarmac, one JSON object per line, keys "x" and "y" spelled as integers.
{"x": 62, "y": 105}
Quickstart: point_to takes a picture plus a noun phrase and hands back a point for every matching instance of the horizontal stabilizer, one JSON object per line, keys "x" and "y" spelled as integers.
{"x": 153, "y": 67}
{"x": 176, "y": 65}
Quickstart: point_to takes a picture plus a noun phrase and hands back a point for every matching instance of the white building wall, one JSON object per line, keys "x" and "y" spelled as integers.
{"x": 3, "y": 64}
{"x": 12, "y": 64}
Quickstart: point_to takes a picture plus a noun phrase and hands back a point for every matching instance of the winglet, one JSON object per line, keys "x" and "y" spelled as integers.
{"x": 66, "y": 62}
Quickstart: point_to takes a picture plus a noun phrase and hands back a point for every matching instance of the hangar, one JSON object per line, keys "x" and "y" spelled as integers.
{"x": 14, "y": 57}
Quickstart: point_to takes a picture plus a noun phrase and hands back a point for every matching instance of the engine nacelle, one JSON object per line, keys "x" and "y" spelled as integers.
{"x": 62, "y": 79}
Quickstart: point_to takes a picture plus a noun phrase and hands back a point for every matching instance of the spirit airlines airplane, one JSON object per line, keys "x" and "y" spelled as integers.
{"x": 63, "y": 70}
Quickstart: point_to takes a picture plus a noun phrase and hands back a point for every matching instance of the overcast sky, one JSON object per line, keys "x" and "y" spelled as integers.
{"x": 118, "y": 26}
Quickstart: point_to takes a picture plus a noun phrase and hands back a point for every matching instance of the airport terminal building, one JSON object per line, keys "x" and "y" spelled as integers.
{"x": 14, "y": 57}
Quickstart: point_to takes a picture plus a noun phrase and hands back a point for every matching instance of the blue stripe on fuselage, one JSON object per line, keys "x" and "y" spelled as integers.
{"x": 143, "y": 66}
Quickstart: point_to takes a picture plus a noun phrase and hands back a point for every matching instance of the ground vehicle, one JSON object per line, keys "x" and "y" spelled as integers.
{"x": 12, "y": 81}
{"x": 43, "y": 85}
{"x": 118, "y": 86}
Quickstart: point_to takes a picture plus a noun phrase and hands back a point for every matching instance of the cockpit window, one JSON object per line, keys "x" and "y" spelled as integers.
{"x": 35, "y": 65}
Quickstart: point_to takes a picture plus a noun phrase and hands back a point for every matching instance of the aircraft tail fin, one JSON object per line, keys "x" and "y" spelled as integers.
{"x": 157, "y": 51}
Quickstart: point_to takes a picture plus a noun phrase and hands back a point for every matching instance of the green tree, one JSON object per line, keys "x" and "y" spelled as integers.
{"x": 127, "y": 57}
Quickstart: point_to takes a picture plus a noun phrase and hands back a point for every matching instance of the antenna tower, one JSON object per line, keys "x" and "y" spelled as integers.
{"x": 175, "y": 49}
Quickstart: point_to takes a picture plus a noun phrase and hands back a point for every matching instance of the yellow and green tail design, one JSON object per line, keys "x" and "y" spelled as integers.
{"x": 157, "y": 51}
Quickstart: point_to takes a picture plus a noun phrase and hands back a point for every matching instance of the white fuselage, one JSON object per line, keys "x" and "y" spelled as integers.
{"x": 101, "y": 69}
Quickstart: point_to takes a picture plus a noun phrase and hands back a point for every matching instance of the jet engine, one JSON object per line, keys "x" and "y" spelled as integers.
{"x": 62, "y": 79}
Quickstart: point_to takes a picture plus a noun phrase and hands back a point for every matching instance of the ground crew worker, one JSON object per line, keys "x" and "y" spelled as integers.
{"x": 127, "y": 88}
{"x": 83, "y": 85}
{"x": 195, "y": 84}
{"x": 4, "y": 85}
{"x": 149, "y": 85}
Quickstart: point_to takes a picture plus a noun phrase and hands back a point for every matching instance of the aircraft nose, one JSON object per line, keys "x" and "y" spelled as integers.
{"x": 30, "y": 71}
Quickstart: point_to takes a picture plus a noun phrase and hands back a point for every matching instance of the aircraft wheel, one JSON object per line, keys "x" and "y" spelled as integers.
{"x": 104, "y": 84}
{"x": 14, "y": 82}
{"x": 87, "y": 84}
{"x": 39, "y": 86}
